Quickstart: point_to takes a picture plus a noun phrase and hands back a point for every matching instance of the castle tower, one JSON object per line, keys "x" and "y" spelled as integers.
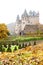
{"x": 34, "y": 18}
{"x": 18, "y": 25}
{"x": 24, "y": 19}
{"x": 24, "y": 15}
{"x": 30, "y": 13}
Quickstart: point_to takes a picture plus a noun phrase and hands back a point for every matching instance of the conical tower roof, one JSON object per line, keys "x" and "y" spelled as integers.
{"x": 18, "y": 21}
{"x": 18, "y": 18}
{"x": 37, "y": 14}
{"x": 30, "y": 13}
{"x": 34, "y": 13}
{"x": 25, "y": 14}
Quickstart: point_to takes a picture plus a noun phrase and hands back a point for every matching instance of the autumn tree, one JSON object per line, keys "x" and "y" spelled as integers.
{"x": 4, "y": 32}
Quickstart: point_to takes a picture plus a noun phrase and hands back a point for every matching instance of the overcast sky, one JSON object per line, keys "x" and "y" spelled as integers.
{"x": 9, "y": 9}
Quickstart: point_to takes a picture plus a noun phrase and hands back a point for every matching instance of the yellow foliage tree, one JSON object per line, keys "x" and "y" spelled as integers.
{"x": 4, "y": 32}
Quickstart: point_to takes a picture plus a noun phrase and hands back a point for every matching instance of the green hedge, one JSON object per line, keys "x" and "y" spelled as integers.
{"x": 20, "y": 39}
{"x": 29, "y": 39}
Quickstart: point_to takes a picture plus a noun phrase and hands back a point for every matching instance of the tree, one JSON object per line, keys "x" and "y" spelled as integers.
{"x": 4, "y": 32}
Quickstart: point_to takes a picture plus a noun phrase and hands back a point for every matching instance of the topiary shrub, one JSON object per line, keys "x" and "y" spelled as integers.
{"x": 9, "y": 49}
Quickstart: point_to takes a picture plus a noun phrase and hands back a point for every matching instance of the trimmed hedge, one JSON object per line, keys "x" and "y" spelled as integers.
{"x": 20, "y": 39}
{"x": 16, "y": 41}
{"x": 29, "y": 39}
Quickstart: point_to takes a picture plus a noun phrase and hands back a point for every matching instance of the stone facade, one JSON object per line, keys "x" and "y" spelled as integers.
{"x": 31, "y": 28}
{"x": 30, "y": 20}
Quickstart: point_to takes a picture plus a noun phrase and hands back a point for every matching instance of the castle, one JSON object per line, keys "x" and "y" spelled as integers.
{"x": 30, "y": 20}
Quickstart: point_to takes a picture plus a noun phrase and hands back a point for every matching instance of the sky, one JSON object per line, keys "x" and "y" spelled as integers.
{"x": 9, "y": 9}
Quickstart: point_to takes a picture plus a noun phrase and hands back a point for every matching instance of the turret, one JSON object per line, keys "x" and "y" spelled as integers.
{"x": 25, "y": 14}
{"x": 30, "y": 13}
{"x": 18, "y": 18}
{"x": 33, "y": 13}
{"x": 34, "y": 17}
{"x": 37, "y": 14}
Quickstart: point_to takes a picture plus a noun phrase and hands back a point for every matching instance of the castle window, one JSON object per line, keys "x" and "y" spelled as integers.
{"x": 28, "y": 21}
{"x": 23, "y": 22}
{"x": 25, "y": 18}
